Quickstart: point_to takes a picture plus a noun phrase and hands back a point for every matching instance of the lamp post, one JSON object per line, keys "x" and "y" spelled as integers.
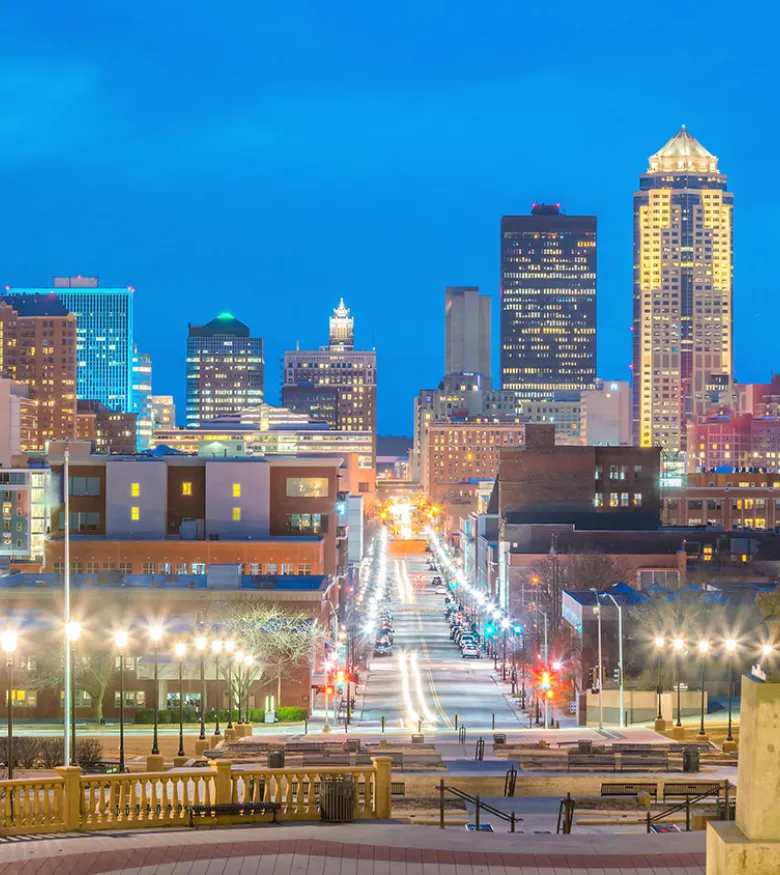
{"x": 703, "y": 648}
{"x": 201, "y": 644}
{"x": 180, "y": 649}
{"x": 238, "y": 656}
{"x": 248, "y": 660}
{"x": 121, "y": 639}
{"x": 620, "y": 656}
{"x": 216, "y": 649}
{"x": 678, "y": 645}
{"x": 8, "y": 642}
{"x": 731, "y": 646}
{"x": 660, "y": 723}
{"x": 601, "y": 664}
{"x": 230, "y": 647}
{"x": 72, "y": 632}
{"x": 505, "y": 626}
{"x": 156, "y": 633}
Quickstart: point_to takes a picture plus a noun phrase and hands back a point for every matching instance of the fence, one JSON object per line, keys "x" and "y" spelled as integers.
{"x": 71, "y": 801}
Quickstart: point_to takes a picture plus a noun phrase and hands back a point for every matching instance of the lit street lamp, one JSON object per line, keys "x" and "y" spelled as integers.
{"x": 659, "y": 646}
{"x": 121, "y": 639}
{"x": 703, "y": 648}
{"x": 238, "y": 656}
{"x": 678, "y": 645}
{"x": 230, "y": 647}
{"x": 601, "y": 663}
{"x": 72, "y": 632}
{"x": 731, "y": 646}
{"x": 248, "y": 660}
{"x": 8, "y": 642}
{"x": 216, "y": 649}
{"x": 156, "y": 633}
{"x": 180, "y": 649}
{"x": 201, "y": 643}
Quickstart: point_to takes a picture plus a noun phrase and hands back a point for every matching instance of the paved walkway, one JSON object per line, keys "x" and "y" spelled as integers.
{"x": 355, "y": 849}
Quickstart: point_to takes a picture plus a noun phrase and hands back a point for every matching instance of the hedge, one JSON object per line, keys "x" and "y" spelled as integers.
{"x": 289, "y": 714}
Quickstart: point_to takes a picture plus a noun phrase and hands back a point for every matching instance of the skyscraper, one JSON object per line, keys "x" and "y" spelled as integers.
{"x": 224, "y": 369}
{"x": 682, "y": 291}
{"x": 163, "y": 411}
{"x": 104, "y": 320}
{"x": 142, "y": 397}
{"x": 548, "y": 302}
{"x": 467, "y": 332}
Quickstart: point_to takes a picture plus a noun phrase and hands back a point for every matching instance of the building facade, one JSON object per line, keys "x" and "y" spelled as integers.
{"x": 38, "y": 347}
{"x": 682, "y": 327}
{"x": 18, "y": 421}
{"x": 224, "y": 369}
{"x": 142, "y": 398}
{"x": 548, "y": 302}
{"x": 23, "y": 502}
{"x": 163, "y": 412}
{"x": 728, "y": 501}
{"x": 111, "y": 431}
{"x": 104, "y": 320}
{"x": 747, "y": 442}
{"x": 467, "y": 332}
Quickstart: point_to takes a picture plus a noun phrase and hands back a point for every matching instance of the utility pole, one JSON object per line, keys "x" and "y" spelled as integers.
{"x": 601, "y": 666}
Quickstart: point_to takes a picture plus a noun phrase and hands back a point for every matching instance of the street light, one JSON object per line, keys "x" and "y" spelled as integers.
{"x": 703, "y": 649}
{"x": 505, "y": 626}
{"x": 601, "y": 664}
{"x": 201, "y": 644}
{"x": 121, "y": 639}
{"x": 216, "y": 649}
{"x": 8, "y": 642}
{"x": 678, "y": 645}
{"x": 731, "y": 646}
{"x": 72, "y": 633}
{"x": 156, "y": 633}
{"x": 180, "y": 649}
{"x": 238, "y": 656}
{"x": 230, "y": 647}
{"x": 248, "y": 660}
{"x": 620, "y": 656}
{"x": 659, "y": 646}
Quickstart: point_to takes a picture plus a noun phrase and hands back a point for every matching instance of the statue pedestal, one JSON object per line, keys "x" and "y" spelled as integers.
{"x": 751, "y": 844}
{"x": 660, "y": 724}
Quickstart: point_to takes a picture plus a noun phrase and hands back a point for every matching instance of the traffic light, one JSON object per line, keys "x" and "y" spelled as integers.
{"x": 329, "y": 690}
{"x": 616, "y": 675}
{"x": 546, "y": 682}
{"x": 489, "y": 630}
{"x": 340, "y": 680}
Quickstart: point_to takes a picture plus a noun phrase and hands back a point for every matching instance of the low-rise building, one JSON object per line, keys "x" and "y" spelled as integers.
{"x": 745, "y": 441}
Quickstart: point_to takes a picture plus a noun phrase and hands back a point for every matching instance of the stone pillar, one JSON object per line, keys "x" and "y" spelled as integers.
{"x": 223, "y": 791}
{"x": 383, "y": 790}
{"x": 751, "y": 845}
{"x": 71, "y": 797}
{"x": 155, "y": 762}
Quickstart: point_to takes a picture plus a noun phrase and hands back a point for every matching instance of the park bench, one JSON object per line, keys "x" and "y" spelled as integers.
{"x": 630, "y": 747}
{"x": 101, "y": 767}
{"x": 624, "y": 789}
{"x": 232, "y": 809}
{"x": 590, "y": 760}
{"x": 644, "y": 761}
{"x": 702, "y": 747}
{"x": 693, "y": 788}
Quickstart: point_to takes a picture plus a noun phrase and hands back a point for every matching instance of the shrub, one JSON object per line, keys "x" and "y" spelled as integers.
{"x": 26, "y": 752}
{"x": 144, "y": 715}
{"x": 51, "y": 752}
{"x": 189, "y": 715}
{"x": 291, "y": 714}
{"x": 257, "y": 716}
{"x": 88, "y": 750}
{"x": 164, "y": 716}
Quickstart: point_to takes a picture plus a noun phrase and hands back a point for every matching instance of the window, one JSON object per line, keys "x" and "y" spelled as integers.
{"x": 135, "y": 513}
{"x": 84, "y": 485}
{"x": 363, "y": 487}
{"x": 271, "y": 568}
{"x": 133, "y": 699}
{"x": 181, "y": 568}
{"x": 93, "y": 567}
{"x": 23, "y": 698}
{"x": 186, "y": 488}
{"x": 637, "y": 499}
{"x": 149, "y": 567}
{"x": 307, "y": 523}
{"x": 288, "y": 568}
{"x": 198, "y": 567}
{"x": 236, "y": 514}
{"x": 624, "y": 499}
{"x": 81, "y": 521}
{"x": 135, "y": 489}
{"x": 695, "y": 505}
{"x": 597, "y": 472}
{"x": 109, "y": 566}
{"x": 614, "y": 499}
{"x": 598, "y": 499}
{"x": 165, "y": 568}
{"x": 307, "y": 487}
{"x": 304, "y": 568}
{"x": 236, "y": 490}
{"x": 126, "y": 567}
{"x": 713, "y": 505}
{"x": 707, "y": 553}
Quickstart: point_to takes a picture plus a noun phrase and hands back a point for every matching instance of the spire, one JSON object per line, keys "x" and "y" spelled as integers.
{"x": 683, "y": 152}
{"x": 342, "y": 327}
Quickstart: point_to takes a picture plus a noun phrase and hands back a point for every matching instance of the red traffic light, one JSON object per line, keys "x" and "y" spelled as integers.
{"x": 329, "y": 690}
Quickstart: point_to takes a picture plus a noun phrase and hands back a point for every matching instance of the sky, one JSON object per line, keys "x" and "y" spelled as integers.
{"x": 268, "y": 158}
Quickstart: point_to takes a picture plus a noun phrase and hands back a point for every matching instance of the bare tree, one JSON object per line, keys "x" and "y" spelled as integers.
{"x": 92, "y": 673}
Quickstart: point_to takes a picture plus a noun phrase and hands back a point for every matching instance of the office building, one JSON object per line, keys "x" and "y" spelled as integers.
{"x": 467, "y": 332}
{"x": 104, "y": 320}
{"x": 682, "y": 355}
{"x": 163, "y": 412}
{"x": 741, "y": 442}
{"x": 18, "y": 421}
{"x": 38, "y": 347}
{"x": 23, "y": 504}
{"x": 335, "y": 383}
{"x": 605, "y": 414}
{"x": 548, "y": 302}
{"x": 224, "y": 369}
{"x": 110, "y": 430}
{"x": 142, "y": 397}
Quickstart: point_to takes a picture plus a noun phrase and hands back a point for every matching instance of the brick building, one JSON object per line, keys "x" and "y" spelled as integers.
{"x": 112, "y": 430}
{"x": 731, "y": 501}
{"x": 745, "y": 441}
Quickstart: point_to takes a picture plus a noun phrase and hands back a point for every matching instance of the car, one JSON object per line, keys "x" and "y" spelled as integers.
{"x": 470, "y": 651}
{"x": 383, "y": 648}
{"x": 468, "y": 638}
{"x": 441, "y": 590}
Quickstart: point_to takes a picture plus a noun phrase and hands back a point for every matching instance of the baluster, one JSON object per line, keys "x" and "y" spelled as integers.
{"x": 166, "y": 812}
{"x": 185, "y": 793}
{"x": 103, "y": 800}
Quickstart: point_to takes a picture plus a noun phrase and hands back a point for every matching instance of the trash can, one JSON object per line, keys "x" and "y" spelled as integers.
{"x": 499, "y": 738}
{"x": 275, "y": 759}
{"x": 418, "y": 739}
{"x": 584, "y": 745}
{"x": 727, "y": 813}
{"x": 690, "y": 759}
{"x": 337, "y": 801}
{"x": 352, "y": 745}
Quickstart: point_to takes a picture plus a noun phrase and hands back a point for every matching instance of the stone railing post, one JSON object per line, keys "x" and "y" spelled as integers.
{"x": 71, "y": 797}
{"x": 223, "y": 790}
{"x": 383, "y": 791}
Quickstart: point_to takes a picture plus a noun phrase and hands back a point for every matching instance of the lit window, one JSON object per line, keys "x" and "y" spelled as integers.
{"x": 135, "y": 489}
{"x": 135, "y": 513}
{"x": 236, "y": 514}
{"x": 186, "y": 488}
{"x": 236, "y": 490}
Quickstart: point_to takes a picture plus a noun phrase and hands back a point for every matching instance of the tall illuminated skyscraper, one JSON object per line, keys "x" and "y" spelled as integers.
{"x": 683, "y": 248}
{"x": 548, "y": 302}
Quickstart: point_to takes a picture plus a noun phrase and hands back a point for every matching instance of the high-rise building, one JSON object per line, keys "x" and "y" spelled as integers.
{"x": 224, "y": 369}
{"x": 163, "y": 411}
{"x": 104, "y": 320}
{"x": 335, "y": 383}
{"x": 38, "y": 347}
{"x": 18, "y": 421}
{"x": 682, "y": 292}
{"x": 111, "y": 431}
{"x": 142, "y": 397}
{"x": 467, "y": 332}
{"x": 548, "y": 302}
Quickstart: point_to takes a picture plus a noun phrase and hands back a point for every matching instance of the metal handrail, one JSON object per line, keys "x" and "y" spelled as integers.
{"x": 686, "y": 806}
{"x": 478, "y": 804}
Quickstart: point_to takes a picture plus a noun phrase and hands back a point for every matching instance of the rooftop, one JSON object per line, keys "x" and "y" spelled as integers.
{"x": 683, "y": 152}
{"x": 118, "y": 580}
{"x": 36, "y": 304}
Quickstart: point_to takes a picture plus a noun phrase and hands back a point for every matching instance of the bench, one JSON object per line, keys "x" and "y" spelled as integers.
{"x": 627, "y": 747}
{"x": 629, "y": 790}
{"x": 681, "y": 748}
{"x": 694, "y": 788}
{"x": 232, "y": 809}
{"x": 101, "y": 767}
{"x": 586, "y": 760}
{"x": 644, "y": 761}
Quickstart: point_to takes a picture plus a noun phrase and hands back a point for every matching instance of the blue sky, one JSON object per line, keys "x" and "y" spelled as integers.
{"x": 267, "y": 158}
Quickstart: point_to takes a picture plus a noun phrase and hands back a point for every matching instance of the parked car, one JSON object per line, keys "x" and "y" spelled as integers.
{"x": 383, "y": 648}
{"x": 441, "y": 590}
{"x": 470, "y": 651}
